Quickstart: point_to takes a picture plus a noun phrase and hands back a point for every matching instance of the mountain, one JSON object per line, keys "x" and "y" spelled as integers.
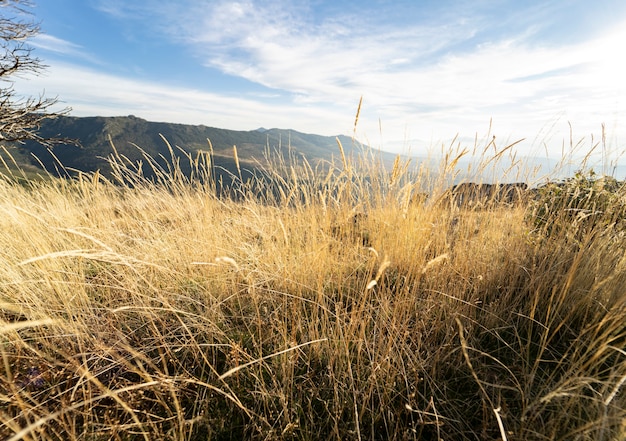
{"x": 129, "y": 132}
{"x": 132, "y": 136}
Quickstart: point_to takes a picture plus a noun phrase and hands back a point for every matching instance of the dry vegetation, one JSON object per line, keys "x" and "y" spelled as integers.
{"x": 337, "y": 306}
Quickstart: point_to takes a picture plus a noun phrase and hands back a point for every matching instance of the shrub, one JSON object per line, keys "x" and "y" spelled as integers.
{"x": 577, "y": 206}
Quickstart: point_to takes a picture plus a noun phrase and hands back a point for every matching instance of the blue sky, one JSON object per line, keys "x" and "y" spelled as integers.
{"x": 427, "y": 70}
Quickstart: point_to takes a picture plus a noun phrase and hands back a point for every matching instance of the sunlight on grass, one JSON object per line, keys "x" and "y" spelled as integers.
{"x": 336, "y": 301}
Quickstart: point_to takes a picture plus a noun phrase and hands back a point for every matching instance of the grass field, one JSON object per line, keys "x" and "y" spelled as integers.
{"x": 337, "y": 306}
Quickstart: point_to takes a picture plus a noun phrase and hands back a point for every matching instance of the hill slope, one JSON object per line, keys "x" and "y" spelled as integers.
{"x": 129, "y": 132}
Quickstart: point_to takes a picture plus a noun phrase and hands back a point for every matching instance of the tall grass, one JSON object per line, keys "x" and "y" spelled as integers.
{"x": 337, "y": 305}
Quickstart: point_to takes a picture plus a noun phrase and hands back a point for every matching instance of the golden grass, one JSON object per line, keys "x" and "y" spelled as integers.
{"x": 332, "y": 307}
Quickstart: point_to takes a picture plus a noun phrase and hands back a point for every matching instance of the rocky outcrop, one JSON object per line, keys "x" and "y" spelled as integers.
{"x": 475, "y": 195}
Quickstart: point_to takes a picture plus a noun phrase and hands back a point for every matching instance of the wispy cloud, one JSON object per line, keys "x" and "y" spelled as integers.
{"x": 62, "y": 47}
{"x": 121, "y": 9}
{"x": 54, "y": 44}
{"x": 277, "y": 45}
{"x": 96, "y": 93}
{"x": 282, "y": 46}
{"x": 334, "y": 58}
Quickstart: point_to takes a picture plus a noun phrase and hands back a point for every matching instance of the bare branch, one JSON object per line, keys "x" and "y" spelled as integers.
{"x": 21, "y": 118}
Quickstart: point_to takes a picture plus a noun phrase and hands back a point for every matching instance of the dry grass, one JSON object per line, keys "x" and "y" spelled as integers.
{"x": 332, "y": 307}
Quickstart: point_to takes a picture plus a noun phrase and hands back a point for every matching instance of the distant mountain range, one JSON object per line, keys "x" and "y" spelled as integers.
{"x": 129, "y": 132}
{"x": 133, "y": 136}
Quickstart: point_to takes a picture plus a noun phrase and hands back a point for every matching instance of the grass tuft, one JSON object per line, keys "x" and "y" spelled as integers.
{"x": 336, "y": 302}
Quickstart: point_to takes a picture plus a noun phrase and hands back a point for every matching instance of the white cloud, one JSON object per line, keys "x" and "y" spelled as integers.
{"x": 62, "y": 47}
{"x": 54, "y": 44}
{"x": 329, "y": 61}
{"x": 93, "y": 93}
{"x": 319, "y": 61}
{"x": 121, "y": 9}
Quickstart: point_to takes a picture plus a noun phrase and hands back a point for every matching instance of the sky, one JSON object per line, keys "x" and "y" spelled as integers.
{"x": 427, "y": 71}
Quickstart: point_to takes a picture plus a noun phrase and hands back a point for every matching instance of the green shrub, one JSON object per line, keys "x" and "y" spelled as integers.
{"x": 578, "y": 206}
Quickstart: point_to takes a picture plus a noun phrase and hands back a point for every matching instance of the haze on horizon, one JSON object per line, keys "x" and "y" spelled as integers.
{"x": 427, "y": 70}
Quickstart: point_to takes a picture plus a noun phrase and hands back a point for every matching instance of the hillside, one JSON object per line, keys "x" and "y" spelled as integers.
{"x": 129, "y": 132}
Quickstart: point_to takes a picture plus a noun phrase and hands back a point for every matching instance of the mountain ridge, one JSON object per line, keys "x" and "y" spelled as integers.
{"x": 134, "y": 137}
{"x": 98, "y": 134}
